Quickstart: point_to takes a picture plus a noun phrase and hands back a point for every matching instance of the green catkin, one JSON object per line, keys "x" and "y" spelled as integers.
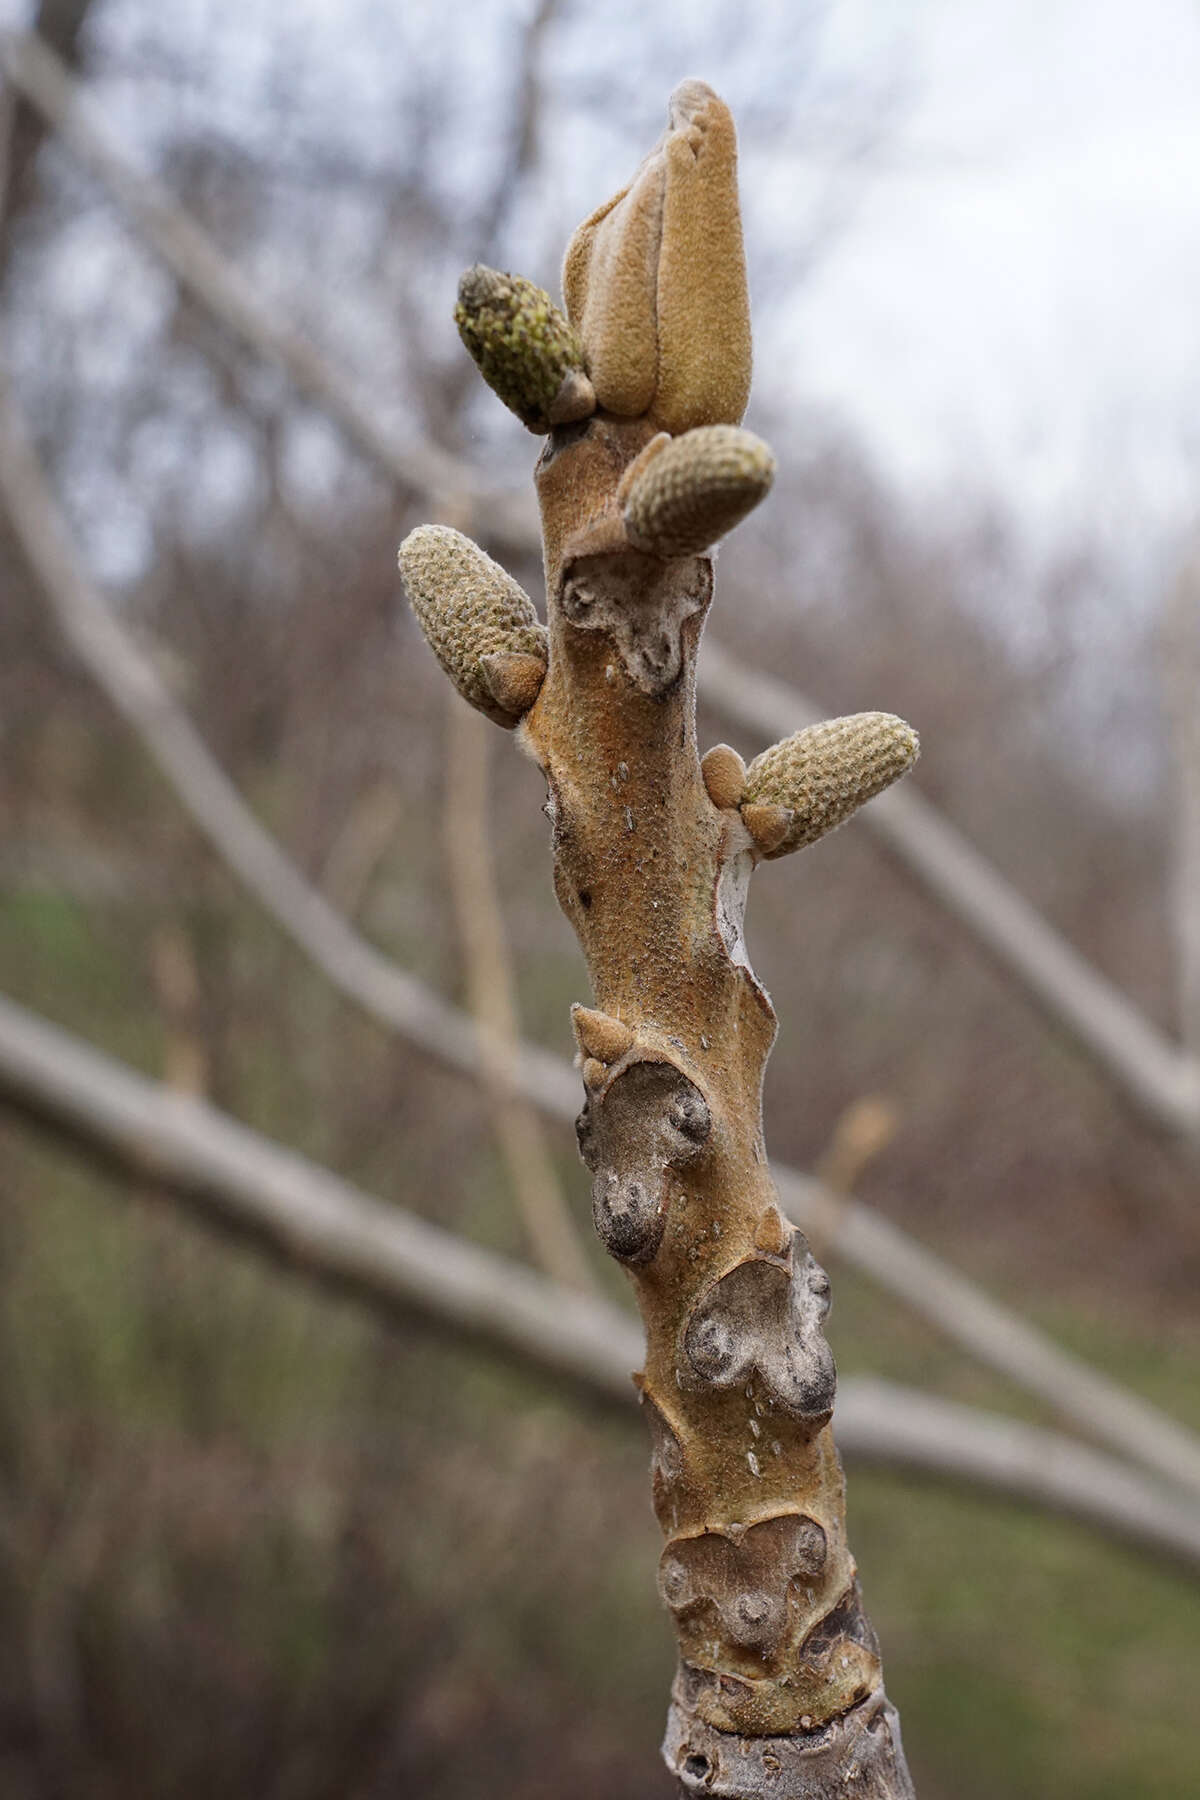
{"x": 525, "y": 348}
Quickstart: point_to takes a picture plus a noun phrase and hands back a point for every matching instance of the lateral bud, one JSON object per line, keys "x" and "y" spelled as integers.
{"x": 724, "y": 775}
{"x": 514, "y": 679}
{"x": 812, "y": 782}
{"x": 767, "y": 825}
{"x": 480, "y": 624}
{"x": 773, "y": 1234}
{"x": 527, "y": 351}
{"x": 599, "y": 1035}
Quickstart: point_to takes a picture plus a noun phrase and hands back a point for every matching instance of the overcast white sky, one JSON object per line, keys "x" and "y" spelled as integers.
{"x": 1018, "y": 290}
{"x": 1012, "y": 299}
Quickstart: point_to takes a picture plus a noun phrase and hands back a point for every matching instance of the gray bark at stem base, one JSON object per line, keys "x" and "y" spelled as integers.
{"x": 858, "y": 1756}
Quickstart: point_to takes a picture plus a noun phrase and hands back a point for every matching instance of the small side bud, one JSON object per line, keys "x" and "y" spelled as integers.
{"x": 767, "y": 825}
{"x": 724, "y": 775}
{"x": 594, "y": 1072}
{"x": 819, "y": 777}
{"x": 526, "y": 350}
{"x": 599, "y": 1035}
{"x": 773, "y": 1234}
{"x": 473, "y": 612}
{"x": 514, "y": 679}
{"x": 696, "y": 489}
{"x": 575, "y": 399}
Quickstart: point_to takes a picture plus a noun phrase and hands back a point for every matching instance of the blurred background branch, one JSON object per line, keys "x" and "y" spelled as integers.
{"x": 392, "y": 1261}
{"x": 1182, "y": 662}
{"x": 549, "y": 1229}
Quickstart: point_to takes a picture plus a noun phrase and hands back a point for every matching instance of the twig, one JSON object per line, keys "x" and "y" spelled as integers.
{"x": 406, "y": 1005}
{"x": 8, "y": 119}
{"x": 311, "y": 1220}
{"x": 176, "y": 981}
{"x": 861, "y": 1134}
{"x": 491, "y": 991}
{"x": 523, "y": 140}
{"x": 1146, "y": 1067}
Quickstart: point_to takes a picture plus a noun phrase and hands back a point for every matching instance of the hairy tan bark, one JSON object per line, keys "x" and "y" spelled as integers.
{"x": 779, "y": 1690}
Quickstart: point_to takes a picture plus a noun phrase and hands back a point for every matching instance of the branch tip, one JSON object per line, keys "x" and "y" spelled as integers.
{"x": 655, "y": 279}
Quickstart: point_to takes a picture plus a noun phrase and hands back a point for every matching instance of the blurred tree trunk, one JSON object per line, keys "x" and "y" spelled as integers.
{"x": 60, "y": 23}
{"x": 1182, "y": 658}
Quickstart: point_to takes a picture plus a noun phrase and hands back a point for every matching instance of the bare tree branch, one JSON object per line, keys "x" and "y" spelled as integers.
{"x": 311, "y": 1220}
{"x": 58, "y": 24}
{"x": 402, "y": 1003}
{"x": 1181, "y": 634}
{"x": 523, "y": 140}
{"x": 1145, "y": 1066}
{"x": 1024, "y": 1461}
{"x": 306, "y": 1215}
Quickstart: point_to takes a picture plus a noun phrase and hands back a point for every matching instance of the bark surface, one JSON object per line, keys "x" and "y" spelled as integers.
{"x": 779, "y": 1689}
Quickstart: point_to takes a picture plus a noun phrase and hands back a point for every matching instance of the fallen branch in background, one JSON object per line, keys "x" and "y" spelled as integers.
{"x": 1161, "y": 1080}
{"x": 399, "y": 1001}
{"x": 311, "y": 1220}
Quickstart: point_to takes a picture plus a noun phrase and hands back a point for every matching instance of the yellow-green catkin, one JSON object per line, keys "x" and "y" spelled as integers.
{"x": 823, "y": 774}
{"x": 526, "y": 350}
